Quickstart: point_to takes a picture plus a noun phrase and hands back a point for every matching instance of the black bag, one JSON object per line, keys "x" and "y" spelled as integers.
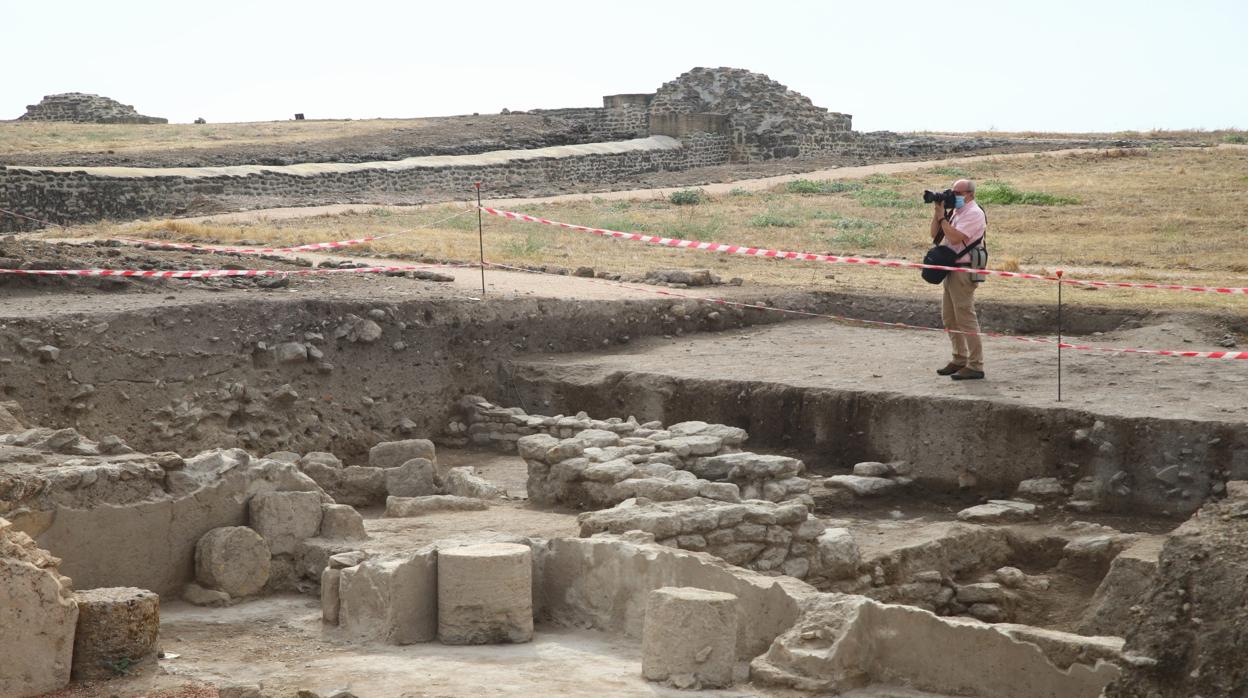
{"x": 942, "y": 256}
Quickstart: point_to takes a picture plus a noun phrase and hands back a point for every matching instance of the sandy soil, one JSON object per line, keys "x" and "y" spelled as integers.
{"x": 826, "y": 354}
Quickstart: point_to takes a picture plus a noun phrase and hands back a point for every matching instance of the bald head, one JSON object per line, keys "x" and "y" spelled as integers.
{"x": 966, "y": 187}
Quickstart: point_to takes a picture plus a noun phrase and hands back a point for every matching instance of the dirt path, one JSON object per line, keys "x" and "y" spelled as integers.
{"x": 758, "y": 184}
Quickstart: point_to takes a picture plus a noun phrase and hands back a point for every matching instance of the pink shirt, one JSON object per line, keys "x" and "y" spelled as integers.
{"x": 971, "y": 222}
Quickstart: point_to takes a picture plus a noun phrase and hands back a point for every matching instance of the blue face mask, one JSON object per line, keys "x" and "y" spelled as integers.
{"x": 959, "y": 201}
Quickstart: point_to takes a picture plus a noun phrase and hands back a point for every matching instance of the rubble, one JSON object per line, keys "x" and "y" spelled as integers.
{"x": 38, "y": 614}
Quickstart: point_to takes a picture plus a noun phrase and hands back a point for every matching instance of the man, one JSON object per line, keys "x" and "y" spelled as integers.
{"x": 965, "y": 227}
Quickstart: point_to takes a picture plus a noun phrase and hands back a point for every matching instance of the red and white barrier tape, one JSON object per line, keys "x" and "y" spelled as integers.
{"x": 901, "y": 325}
{"x": 209, "y": 273}
{"x": 310, "y": 247}
{"x": 811, "y": 257}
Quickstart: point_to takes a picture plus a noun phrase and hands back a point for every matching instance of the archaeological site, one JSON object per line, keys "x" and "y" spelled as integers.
{"x": 302, "y": 471}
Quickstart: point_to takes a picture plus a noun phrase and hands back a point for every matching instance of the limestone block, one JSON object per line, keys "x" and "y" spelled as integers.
{"x": 392, "y": 454}
{"x": 536, "y": 446}
{"x": 285, "y": 518}
{"x": 322, "y": 457}
{"x": 862, "y": 486}
{"x": 485, "y": 594}
{"x": 1041, "y": 489}
{"x": 330, "y": 579}
{"x": 597, "y": 438}
{"x": 196, "y": 595}
{"x": 341, "y": 522}
{"x": 414, "y": 478}
{"x": 872, "y": 469}
{"x": 689, "y": 637}
{"x": 998, "y": 510}
{"x": 37, "y": 618}
{"x": 233, "y": 559}
{"x": 686, "y": 446}
{"x": 118, "y": 628}
{"x": 722, "y": 491}
{"x": 391, "y": 599}
{"x": 1130, "y": 578}
{"x": 730, "y": 436}
{"x": 464, "y": 482}
{"x": 399, "y": 507}
{"x": 838, "y": 554}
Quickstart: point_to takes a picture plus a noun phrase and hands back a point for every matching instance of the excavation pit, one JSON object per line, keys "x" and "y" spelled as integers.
{"x": 1041, "y": 581}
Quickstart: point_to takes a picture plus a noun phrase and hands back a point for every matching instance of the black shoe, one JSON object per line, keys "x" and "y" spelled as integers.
{"x": 949, "y": 369}
{"x": 967, "y": 374}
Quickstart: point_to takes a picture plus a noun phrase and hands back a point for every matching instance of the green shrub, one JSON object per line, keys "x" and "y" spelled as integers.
{"x": 738, "y": 191}
{"x": 876, "y": 197}
{"x": 773, "y": 219}
{"x": 882, "y": 178}
{"x": 688, "y": 197}
{"x": 854, "y": 239}
{"x": 820, "y": 186}
{"x": 530, "y": 246}
{"x": 994, "y": 192}
{"x": 1239, "y": 138}
{"x": 952, "y": 171}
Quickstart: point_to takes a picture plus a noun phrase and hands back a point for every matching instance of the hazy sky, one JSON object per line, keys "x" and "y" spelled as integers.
{"x": 1053, "y": 66}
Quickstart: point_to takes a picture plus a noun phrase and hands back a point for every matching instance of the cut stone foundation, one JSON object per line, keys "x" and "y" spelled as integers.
{"x": 690, "y": 637}
{"x": 118, "y": 630}
{"x": 485, "y": 594}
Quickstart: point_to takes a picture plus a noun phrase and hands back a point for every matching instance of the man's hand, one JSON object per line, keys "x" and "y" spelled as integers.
{"x": 938, "y": 210}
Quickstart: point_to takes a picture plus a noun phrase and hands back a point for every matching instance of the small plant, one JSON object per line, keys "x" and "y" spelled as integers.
{"x": 530, "y": 246}
{"x": 739, "y": 192}
{"x": 952, "y": 171}
{"x": 876, "y": 197}
{"x": 820, "y": 186}
{"x": 688, "y": 197}
{"x": 380, "y": 212}
{"x": 120, "y": 667}
{"x": 881, "y": 178}
{"x": 618, "y": 206}
{"x": 773, "y": 219}
{"x": 995, "y": 192}
{"x": 1237, "y": 138}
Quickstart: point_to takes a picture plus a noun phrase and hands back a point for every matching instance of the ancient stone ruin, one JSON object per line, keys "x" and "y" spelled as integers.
{"x": 81, "y": 108}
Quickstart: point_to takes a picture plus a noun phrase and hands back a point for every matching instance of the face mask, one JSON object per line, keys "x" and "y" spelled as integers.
{"x": 959, "y": 201}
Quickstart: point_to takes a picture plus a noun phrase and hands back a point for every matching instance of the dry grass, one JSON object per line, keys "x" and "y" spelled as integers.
{"x": 34, "y": 136}
{"x": 1173, "y": 215}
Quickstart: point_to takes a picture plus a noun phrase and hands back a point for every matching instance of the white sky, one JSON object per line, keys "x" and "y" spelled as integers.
{"x": 1047, "y": 66}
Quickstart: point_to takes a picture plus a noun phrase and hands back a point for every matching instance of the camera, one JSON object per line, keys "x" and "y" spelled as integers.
{"x": 945, "y": 197}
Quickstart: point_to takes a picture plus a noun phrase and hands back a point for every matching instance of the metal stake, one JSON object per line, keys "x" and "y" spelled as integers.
{"x": 1059, "y": 335}
{"x": 481, "y": 238}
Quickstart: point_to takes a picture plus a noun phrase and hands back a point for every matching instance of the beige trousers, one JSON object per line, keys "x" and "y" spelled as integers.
{"x": 958, "y": 313}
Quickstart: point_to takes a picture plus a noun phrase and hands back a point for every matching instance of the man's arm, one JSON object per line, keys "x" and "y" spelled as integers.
{"x": 938, "y": 216}
{"x": 952, "y": 234}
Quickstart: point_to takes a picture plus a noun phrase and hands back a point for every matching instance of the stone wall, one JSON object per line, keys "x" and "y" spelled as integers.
{"x": 73, "y": 195}
{"x": 613, "y": 122}
{"x": 766, "y": 120}
{"x": 78, "y": 107}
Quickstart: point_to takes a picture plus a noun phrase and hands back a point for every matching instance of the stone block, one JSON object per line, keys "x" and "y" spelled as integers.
{"x": 196, "y": 595}
{"x": 862, "y": 486}
{"x": 341, "y": 522}
{"x": 997, "y": 511}
{"x": 415, "y": 478}
{"x": 392, "y": 454}
{"x": 689, "y": 637}
{"x": 839, "y": 556}
{"x": 872, "y": 469}
{"x": 464, "y": 482}
{"x": 536, "y": 446}
{"x": 400, "y": 507}
{"x": 117, "y": 632}
{"x": 485, "y": 594}
{"x": 391, "y": 599}
{"x": 233, "y": 559}
{"x": 1041, "y": 489}
{"x": 285, "y": 518}
{"x": 330, "y": 580}
{"x": 37, "y": 618}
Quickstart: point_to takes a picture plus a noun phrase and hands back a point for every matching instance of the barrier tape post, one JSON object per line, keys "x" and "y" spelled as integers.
{"x": 481, "y": 238}
{"x": 1059, "y": 335}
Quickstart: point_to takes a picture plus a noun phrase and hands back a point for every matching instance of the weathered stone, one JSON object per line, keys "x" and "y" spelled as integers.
{"x": 37, "y": 618}
{"x": 399, "y": 507}
{"x": 1041, "y": 489}
{"x": 391, "y": 599}
{"x": 536, "y": 446}
{"x": 838, "y": 554}
{"x": 291, "y": 352}
{"x": 689, "y": 637}
{"x": 341, "y": 522}
{"x": 330, "y": 580}
{"x": 861, "y": 486}
{"x": 872, "y": 469}
{"x": 998, "y": 510}
{"x": 985, "y": 592}
{"x": 464, "y": 482}
{"x": 686, "y": 446}
{"x": 485, "y": 594}
{"x": 285, "y": 518}
{"x": 415, "y": 478}
{"x": 196, "y": 595}
{"x": 117, "y": 632}
{"x": 392, "y": 454}
{"x": 233, "y": 559}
